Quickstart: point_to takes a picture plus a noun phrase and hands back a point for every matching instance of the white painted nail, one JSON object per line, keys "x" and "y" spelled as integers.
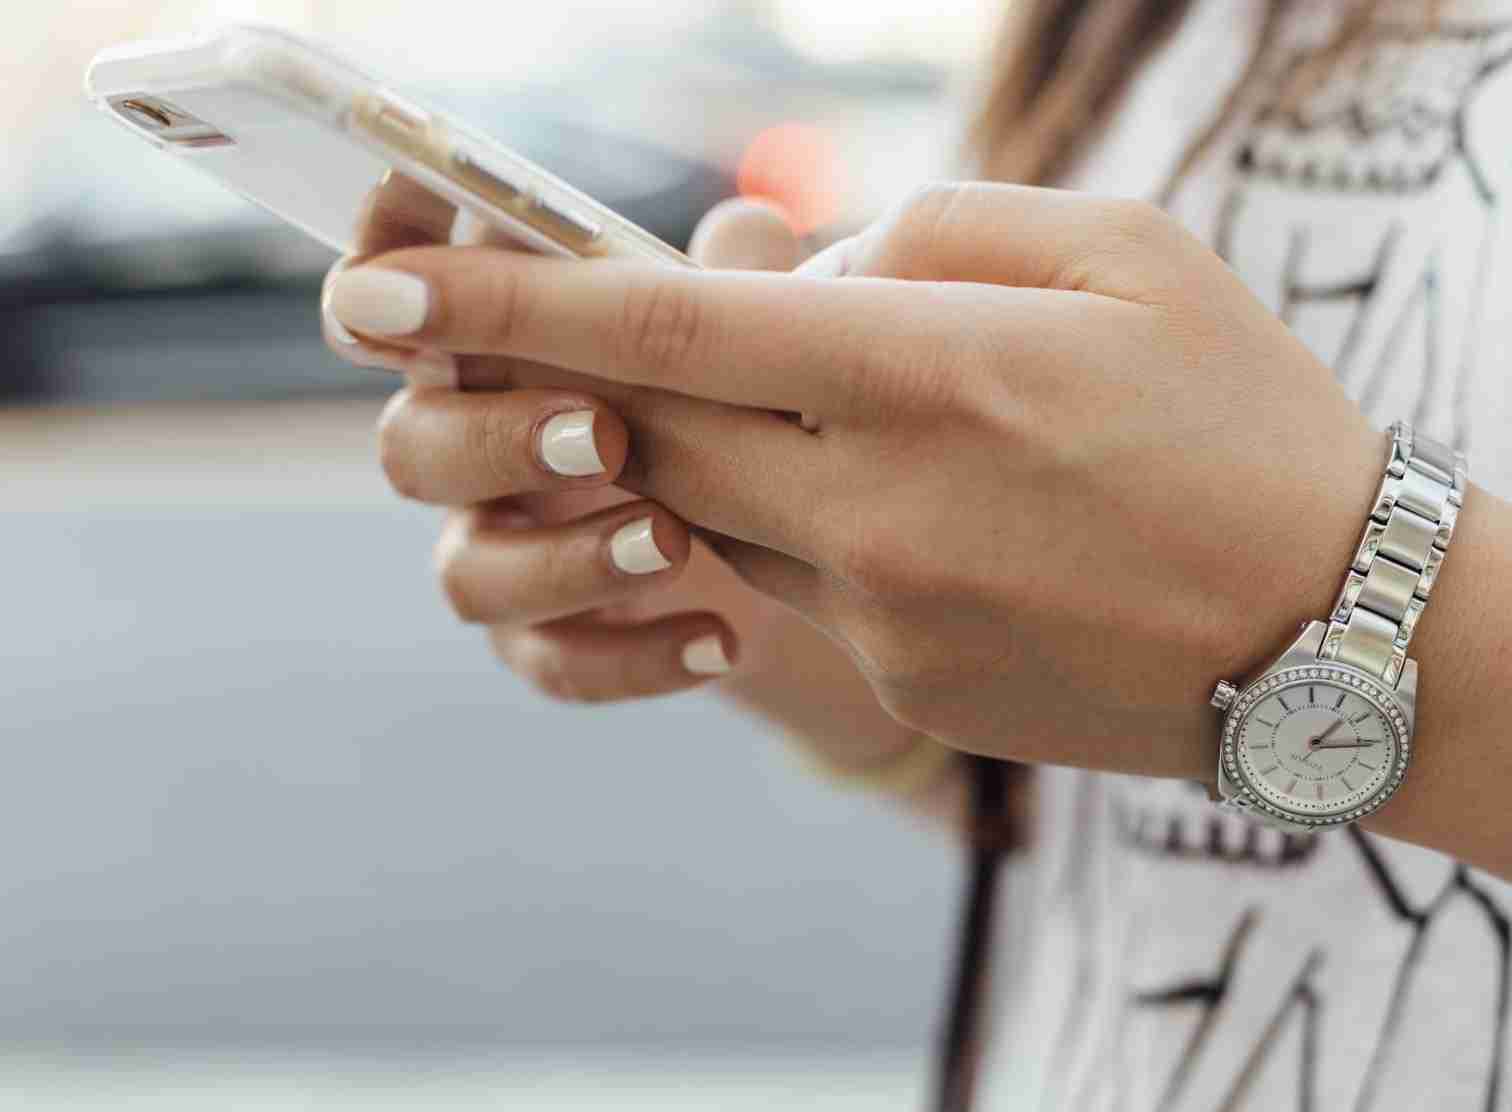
{"x": 337, "y": 329}
{"x": 633, "y": 549}
{"x": 382, "y": 302}
{"x": 705, "y": 656}
{"x": 567, "y": 444}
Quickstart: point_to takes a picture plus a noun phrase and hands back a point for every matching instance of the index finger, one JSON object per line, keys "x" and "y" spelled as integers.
{"x": 785, "y": 342}
{"x": 400, "y": 212}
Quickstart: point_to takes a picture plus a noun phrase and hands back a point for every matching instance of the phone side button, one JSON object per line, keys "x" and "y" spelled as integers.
{"x": 568, "y": 228}
{"x": 487, "y": 181}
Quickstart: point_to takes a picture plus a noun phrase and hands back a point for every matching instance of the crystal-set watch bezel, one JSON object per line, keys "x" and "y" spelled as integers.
{"x": 1361, "y": 683}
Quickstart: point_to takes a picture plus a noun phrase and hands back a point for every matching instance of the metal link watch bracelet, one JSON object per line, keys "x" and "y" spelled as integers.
{"x": 1323, "y": 735}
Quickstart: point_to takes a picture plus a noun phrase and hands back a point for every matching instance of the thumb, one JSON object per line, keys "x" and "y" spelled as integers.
{"x": 741, "y": 234}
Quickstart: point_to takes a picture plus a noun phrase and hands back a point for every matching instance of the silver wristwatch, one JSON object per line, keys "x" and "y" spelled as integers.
{"x": 1323, "y": 736}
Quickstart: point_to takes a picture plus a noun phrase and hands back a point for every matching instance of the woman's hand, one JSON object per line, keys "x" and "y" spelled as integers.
{"x": 1057, "y": 470}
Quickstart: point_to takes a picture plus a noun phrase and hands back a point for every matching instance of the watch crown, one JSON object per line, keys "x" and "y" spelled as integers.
{"x": 1223, "y": 695}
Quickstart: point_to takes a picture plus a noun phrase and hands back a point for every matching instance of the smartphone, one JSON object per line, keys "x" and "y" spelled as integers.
{"x": 312, "y": 138}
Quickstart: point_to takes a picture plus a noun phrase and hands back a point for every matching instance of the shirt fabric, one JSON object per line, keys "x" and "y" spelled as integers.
{"x": 1156, "y": 952}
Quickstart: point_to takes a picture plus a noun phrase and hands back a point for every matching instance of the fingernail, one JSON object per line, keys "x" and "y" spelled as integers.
{"x": 338, "y": 330}
{"x": 567, "y": 444}
{"x": 705, "y": 656}
{"x": 382, "y": 302}
{"x": 633, "y": 549}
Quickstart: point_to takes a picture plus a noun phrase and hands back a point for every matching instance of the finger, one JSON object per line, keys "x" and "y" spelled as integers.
{"x": 1024, "y": 236}
{"x": 423, "y": 366}
{"x": 400, "y": 212}
{"x": 737, "y": 234}
{"x": 500, "y": 573}
{"x": 773, "y": 341}
{"x": 746, "y": 473}
{"x": 835, "y": 261}
{"x": 741, "y": 234}
{"x": 397, "y": 212}
{"x": 502, "y": 372}
{"x": 749, "y": 474}
{"x": 587, "y": 662}
{"x": 798, "y": 585}
{"x": 444, "y": 447}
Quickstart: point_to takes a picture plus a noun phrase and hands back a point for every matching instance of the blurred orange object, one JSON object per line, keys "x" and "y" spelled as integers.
{"x": 797, "y": 166}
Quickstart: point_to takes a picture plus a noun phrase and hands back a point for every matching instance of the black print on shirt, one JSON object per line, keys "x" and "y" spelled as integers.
{"x": 1208, "y": 992}
{"x": 1388, "y": 140}
{"x": 1380, "y": 149}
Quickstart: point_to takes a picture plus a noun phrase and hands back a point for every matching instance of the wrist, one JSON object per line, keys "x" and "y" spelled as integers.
{"x": 1310, "y": 537}
{"x": 1299, "y": 549}
{"x": 1351, "y": 664}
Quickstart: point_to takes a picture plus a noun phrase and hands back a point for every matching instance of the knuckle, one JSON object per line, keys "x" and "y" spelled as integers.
{"x": 878, "y": 560}
{"x": 886, "y": 652}
{"x": 1136, "y": 224}
{"x": 926, "y": 210}
{"x": 909, "y": 704}
{"x": 497, "y": 322}
{"x": 908, "y": 681}
{"x": 452, "y": 573}
{"x": 1127, "y": 235}
{"x": 924, "y": 376}
{"x": 566, "y": 576}
{"x": 499, "y": 444}
{"x": 661, "y": 325}
{"x": 545, "y": 667}
{"x": 924, "y": 204}
{"x": 507, "y": 304}
{"x": 396, "y": 455}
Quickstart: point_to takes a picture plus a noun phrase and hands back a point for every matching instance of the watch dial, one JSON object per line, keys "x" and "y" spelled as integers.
{"x": 1317, "y": 742}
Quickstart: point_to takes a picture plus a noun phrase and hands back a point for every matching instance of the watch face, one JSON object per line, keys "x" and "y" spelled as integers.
{"x": 1317, "y": 745}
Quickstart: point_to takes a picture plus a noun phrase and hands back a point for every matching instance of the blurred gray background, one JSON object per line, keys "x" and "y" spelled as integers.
{"x": 262, "y": 795}
{"x": 261, "y": 789}
{"x": 275, "y": 831}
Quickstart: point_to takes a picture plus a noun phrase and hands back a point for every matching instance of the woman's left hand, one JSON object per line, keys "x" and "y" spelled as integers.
{"x": 1058, "y": 471}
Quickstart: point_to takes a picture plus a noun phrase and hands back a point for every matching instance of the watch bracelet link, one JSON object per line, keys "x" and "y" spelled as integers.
{"x": 1399, "y": 555}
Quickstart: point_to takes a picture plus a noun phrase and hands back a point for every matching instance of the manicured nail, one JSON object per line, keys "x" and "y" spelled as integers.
{"x": 633, "y": 549}
{"x": 567, "y": 444}
{"x": 382, "y": 302}
{"x": 705, "y": 656}
{"x": 338, "y": 330}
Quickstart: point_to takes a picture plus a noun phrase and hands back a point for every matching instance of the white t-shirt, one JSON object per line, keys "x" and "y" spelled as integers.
{"x": 1156, "y": 952}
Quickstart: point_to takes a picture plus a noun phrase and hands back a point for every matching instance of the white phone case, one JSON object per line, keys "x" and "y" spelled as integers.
{"x": 290, "y": 126}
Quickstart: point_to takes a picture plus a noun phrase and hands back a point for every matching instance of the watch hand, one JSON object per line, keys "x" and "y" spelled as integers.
{"x": 1314, "y": 743}
{"x": 1350, "y": 744}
